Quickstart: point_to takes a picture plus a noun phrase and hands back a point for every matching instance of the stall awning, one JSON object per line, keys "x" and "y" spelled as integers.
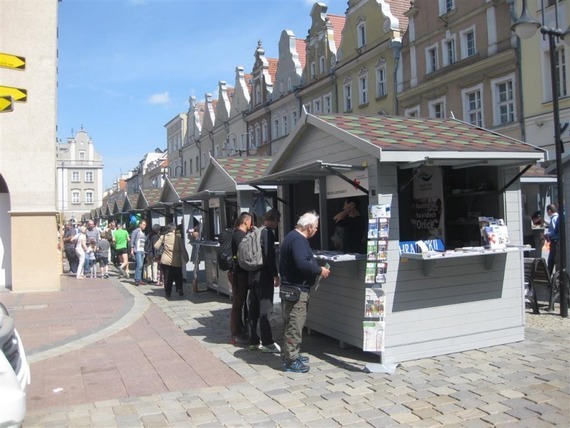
{"x": 309, "y": 171}
{"x": 204, "y": 195}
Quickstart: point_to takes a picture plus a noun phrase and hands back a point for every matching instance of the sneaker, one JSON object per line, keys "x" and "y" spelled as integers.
{"x": 304, "y": 359}
{"x": 234, "y": 340}
{"x": 271, "y": 349}
{"x": 256, "y": 347}
{"x": 296, "y": 366}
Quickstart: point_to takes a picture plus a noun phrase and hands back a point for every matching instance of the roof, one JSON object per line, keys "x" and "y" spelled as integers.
{"x": 396, "y": 133}
{"x": 150, "y": 196}
{"x": 273, "y": 63}
{"x": 337, "y": 22}
{"x": 185, "y": 186}
{"x": 244, "y": 169}
{"x": 301, "y": 47}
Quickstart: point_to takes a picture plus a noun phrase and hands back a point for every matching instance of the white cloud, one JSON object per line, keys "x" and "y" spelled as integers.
{"x": 162, "y": 98}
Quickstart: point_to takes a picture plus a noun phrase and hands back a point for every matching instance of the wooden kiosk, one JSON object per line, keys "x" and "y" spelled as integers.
{"x": 436, "y": 302}
{"x": 224, "y": 195}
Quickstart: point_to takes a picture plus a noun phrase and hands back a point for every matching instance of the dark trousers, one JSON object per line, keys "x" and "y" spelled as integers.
{"x": 239, "y": 294}
{"x": 171, "y": 274}
{"x": 72, "y": 258}
{"x": 260, "y": 305}
{"x": 552, "y": 256}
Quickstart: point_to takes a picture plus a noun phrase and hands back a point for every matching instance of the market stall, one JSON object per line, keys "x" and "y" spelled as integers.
{"x": 417, "y": 181}
{"x": 224, "y": 196}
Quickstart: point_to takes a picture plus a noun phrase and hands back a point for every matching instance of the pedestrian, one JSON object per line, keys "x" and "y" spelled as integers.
{"x": 298, "y": 267}
{"x": 138, "y": 239}
{"x": 69, "y": 247}
{"x": 261, "y": 289}
{"x": 102, "y": 249}
{"x": 152, "y": 256}
{"x": 174, "y": 256}
{"x": 552, "y": 236}
{"x": 121, "y": 240}
{"x": 240, "y": 278}
{"x": 91, "y": 256}
{"x": 112, "y": 229}
{"x": 80, "y": 249}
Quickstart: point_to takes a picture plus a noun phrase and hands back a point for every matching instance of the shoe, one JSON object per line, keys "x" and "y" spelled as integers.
{"x": 296, "y": 366}
{"x": 137, "y": 283}
{"x": 304, "y": 359}
{"x": 234, "y": 340}
{"x": 180, "y": 292}
{"x": 274, "y": 348}
{"x": 255, "y": 347}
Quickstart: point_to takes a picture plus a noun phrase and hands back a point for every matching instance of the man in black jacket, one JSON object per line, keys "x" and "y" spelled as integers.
{"x": 261, "y": 286}
{"x": 298, "y": 267}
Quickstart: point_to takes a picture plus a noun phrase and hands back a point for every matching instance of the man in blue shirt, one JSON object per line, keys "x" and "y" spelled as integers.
{"x": 552, "y": 236}
{"x": 298, "y": 267}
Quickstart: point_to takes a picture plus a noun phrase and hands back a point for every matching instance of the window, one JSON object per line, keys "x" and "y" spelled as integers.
{"x": 88, "y": 176}
{"x": 363, "y": 88}
{"x": 431, "y": 59}
{"x": 472, "y": 105}
{"x": 276, "y": 128}
{"x": 75, "y": 176}
{"x": 285, "y": 125}
{"x": 504, "y": 100}
{"x": 313, "y": 70}
{"x": 446, "y": 6}
{"x": 257, "y": 95}
{"x": 264, "y": 133}
{"x": 75, "y": 197}
{"x": 361, "y": 31}
{"x": 347, "y": 96}
{"x": 88, "y": 197}
{"x": 322, "y": 65}
{"x": 81, "y": 155}
{"x": 317, "y": 106}
{"x": 294, "y": 118}
{"x": 468, "y": 47}
{"x": 308, "y": 107}
{"x": 437, "y": 108}
{"x": 412, "y": 112}
{"x": 381, "y": 84}
{"x": 289, "y": 85}
{"x": 449, "y": 51}
{"x": 560, "y": 64}
{"x": 191, "y": 167}
{"x": 327, "y": 100}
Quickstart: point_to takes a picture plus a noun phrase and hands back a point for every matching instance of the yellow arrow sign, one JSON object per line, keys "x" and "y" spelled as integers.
{"x": 12, "y": 61}
{"x": 6, "y": 104}
{"x": 17, "y": 94}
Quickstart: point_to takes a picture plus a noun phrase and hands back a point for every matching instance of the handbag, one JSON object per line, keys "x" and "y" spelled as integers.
{"x": 289, "y": 293}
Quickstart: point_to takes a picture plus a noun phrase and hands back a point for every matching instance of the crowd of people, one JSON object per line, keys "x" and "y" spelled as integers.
{"x": 158, "y": 252}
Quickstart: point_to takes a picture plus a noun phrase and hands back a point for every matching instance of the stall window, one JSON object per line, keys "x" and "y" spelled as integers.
{"x": 450, "y": 207}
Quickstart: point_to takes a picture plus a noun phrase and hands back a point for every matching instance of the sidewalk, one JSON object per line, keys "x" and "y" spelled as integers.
{"x": 168, "y": 363}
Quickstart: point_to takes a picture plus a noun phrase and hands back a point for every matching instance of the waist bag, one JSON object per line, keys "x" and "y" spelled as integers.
{"x": 289, "y": 293}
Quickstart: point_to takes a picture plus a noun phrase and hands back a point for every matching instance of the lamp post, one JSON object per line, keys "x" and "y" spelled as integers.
{"x": 525, "y": 27}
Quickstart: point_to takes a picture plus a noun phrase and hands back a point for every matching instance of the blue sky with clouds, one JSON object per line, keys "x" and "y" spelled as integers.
{"x": 127, "y": 67}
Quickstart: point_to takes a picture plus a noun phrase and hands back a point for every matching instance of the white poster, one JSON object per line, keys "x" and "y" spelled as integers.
{"x": 339, "y": 188}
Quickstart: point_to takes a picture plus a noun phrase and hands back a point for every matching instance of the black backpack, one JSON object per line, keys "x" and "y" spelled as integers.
{"x": 225, "y": 256}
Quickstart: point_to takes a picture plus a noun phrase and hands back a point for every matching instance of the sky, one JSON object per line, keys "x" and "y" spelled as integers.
{"x": 127, "y": 67}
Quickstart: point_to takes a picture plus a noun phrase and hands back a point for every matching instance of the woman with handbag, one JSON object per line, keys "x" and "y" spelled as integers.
{"x": 80, "y": 250}
{"x": 174, "y": 257}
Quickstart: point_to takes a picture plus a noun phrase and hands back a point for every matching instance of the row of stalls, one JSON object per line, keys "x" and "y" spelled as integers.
{"x": 428, "y": 280}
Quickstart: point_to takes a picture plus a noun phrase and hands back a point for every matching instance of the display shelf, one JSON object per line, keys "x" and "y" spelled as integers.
{"x": 431, "y": 257}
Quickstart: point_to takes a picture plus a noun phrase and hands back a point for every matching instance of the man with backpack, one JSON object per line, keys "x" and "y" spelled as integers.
{"x": 240, "y": 277}
{"x": 261, "y": 285}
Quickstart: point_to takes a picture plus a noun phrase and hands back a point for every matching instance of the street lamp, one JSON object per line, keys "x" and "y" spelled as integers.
{"x": 525, "y": 27}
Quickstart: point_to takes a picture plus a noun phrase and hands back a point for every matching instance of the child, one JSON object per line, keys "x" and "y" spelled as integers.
{"x": 90, "y": 255}
{"x": 102, "y": 249}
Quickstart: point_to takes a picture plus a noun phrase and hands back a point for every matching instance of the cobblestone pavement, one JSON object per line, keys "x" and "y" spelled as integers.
{"x": 520, "y": 384}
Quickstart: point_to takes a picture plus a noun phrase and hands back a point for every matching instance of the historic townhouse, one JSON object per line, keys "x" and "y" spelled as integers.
{"x": 206, "y": 142}
{"x": 318, "y": 94}
{"x": 286, "y": 105}
{"x": 460, "y": 59}
{"x": 237, "y": 137}
{"x": 259, "y": 117}
{"x": 222, "y": 116}
{"x": 191, "y": 147}
{"x": 175, "y": 138}
{"x": 368, "y": 59}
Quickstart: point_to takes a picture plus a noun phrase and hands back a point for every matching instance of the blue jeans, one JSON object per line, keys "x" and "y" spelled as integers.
{"x": 87, "y": 265}
{"x": 139, "y": 257}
